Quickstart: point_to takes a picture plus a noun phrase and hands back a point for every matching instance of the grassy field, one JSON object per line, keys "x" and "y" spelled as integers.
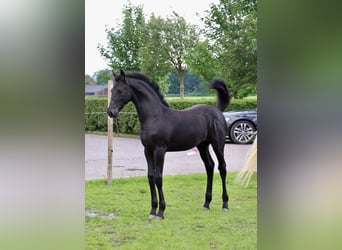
{"x": 117, "y": 215}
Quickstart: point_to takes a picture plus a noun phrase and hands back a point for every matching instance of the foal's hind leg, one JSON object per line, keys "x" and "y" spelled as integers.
{"x": 209, "y": 167}
{"x": 219, "y": 151}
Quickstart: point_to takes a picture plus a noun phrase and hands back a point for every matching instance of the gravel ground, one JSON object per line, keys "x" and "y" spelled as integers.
{"x": 129, "y": 159}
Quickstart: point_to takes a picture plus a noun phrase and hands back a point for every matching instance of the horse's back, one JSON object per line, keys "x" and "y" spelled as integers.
{"x": 198, "y": 123}
{"x": 207, "y": 111}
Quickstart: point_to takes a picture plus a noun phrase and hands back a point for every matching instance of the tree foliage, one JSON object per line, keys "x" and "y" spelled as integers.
{"x": 231, "y": 29}
{"x": 192, "y": 83}
{"x": 166, "y": 44}
{"x": 227, "y": 47}
{"x": 155, "y": 48}
{"x": 202, "y": 61}
{"x": 122, "y": 50}
{"x": 87, "y": 79}
{"x": 102, "y": 76}
{"x": 154, "y": 54}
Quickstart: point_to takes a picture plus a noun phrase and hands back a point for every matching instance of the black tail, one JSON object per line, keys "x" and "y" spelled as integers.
{"x": 223, "y": 97}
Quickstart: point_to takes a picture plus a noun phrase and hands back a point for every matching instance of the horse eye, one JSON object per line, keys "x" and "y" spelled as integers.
{"x": 119, "y": 91}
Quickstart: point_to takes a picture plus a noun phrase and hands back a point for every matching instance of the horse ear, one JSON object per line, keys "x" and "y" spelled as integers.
{"x": 114, "y": 75}
{"x": 122, "y": 74}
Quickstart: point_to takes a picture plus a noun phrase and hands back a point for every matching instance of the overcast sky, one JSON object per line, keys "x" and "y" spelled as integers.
{"x": 99, "y": 13}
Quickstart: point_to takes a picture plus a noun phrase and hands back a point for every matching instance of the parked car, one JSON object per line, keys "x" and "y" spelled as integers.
{"x": 241, "y": 126}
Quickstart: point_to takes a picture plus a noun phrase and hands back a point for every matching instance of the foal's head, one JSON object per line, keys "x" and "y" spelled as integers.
{"x": 121, "y": 94}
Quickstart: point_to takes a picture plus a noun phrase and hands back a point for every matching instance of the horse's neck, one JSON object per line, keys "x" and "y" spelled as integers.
{"x": 147, "y": 103}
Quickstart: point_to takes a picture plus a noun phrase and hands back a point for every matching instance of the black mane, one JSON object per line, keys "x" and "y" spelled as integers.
{"x": 150, "y": 82}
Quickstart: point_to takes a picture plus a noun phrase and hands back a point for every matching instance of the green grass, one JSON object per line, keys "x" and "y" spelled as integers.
{"x": 117, "y": 215}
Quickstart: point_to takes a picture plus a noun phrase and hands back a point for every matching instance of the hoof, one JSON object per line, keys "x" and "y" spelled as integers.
{"x": 225, "y": 209}
{"x": 152, "y": 216}
{"x": 206, "y": 208}
{"x": 159, "y": 218}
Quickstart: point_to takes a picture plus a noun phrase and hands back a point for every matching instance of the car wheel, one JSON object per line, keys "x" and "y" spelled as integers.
{"x": 242, "y": 132}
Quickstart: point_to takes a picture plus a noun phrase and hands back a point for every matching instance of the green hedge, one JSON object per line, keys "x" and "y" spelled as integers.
{"x": 96, "y": 117}
{"x": 127, "y": 121}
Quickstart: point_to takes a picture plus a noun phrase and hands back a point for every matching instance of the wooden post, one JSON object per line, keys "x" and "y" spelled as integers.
{"x": 110, "y": 138}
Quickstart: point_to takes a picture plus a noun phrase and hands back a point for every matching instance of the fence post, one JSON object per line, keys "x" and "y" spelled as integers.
{"x": 110, "y": 138}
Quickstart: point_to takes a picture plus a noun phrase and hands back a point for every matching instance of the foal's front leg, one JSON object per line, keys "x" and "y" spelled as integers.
{"x": 155, "y": 163}
{"x": 159, "y": 156}
{"x": 151, "y": 181}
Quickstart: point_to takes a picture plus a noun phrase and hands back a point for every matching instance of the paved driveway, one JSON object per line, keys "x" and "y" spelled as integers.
{"x": 129, "y": 159}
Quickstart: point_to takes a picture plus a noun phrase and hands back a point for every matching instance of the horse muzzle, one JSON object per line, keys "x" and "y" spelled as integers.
{"x": 113, "y": 113}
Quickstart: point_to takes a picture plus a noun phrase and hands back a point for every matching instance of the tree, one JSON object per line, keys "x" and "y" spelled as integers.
{"x": 166, "y": 44}
{"x": 201, "y": 60}
{"x": 87, "y": 79}
{"x": 102, "y": 76}
{"x": 180, "y": 37}
{"x": 231, "y": 31}
{"x": 154, "y": 53}
{"x": 124, "y": 43}
{"x": 164, "y": 84}
{"x": 192, "y": 83}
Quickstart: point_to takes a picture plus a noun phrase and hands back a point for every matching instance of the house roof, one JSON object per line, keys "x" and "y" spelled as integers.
{"x": 89, "y": 89}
